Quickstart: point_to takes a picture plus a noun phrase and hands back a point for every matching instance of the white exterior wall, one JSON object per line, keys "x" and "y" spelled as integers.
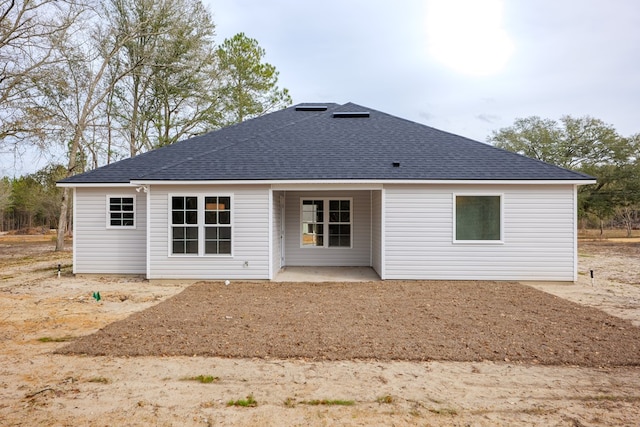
{"x": 250, "y": 235}
{"x": 276, "y": 250}
{"x": 99, "y": 249}
{"x": 357, "y": 256}
{"x": 376, "y": 231}
{"x": 539, "y": 232}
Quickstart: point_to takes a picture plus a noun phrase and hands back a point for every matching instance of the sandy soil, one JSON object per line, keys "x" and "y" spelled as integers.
{"x": 38, "y": 387}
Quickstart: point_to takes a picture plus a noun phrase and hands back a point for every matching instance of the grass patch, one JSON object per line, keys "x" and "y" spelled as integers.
{"x": 54, "y": 269}
{"x": 100, "y": 380}
{"x": 609, "y": 398}
{"x": 539, "y": 411}
{"x": 385, "y": 399}
{"x": 443, "y": 411}
{"x": 204, "y": 379}
{"x": 328, "y": 402}
{"x": 58, "y": 339}
{"x": 290, "y": 402}
{"x": 249, "y": 402}
{"x": 611, "y": 233}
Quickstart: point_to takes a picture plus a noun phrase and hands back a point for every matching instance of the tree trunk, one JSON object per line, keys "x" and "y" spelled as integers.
{"x": 64, "y": 206}
{"x": 62, "y": 222}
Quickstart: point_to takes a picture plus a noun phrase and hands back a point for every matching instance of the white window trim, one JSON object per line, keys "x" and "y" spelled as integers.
{"x": 325, "y": 222}
{"x": 479, "y": 242}
{"x": 108, "y": 212}
{"x": 201, "y": 225}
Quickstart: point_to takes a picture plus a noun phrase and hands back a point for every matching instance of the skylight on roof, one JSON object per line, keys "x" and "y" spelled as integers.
{"x": 311, "y": 108}
{"x": 349, "y": 114}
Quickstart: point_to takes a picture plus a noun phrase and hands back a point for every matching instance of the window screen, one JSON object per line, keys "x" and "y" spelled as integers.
{"x": 478, "y": 218}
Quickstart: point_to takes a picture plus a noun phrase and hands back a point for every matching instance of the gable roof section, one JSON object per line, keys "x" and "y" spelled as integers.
{"x": 332, "y": 144}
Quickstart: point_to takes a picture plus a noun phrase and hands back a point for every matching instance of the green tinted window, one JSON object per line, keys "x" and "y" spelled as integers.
{"x": 478, "y": 218}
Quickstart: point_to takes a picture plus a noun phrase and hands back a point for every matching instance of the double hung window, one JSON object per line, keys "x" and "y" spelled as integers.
{"x": 201, "y": 225}
{"x": 184, "y": 220}
{"x": 217, "y": 225}
{"x": 326, "y": 223}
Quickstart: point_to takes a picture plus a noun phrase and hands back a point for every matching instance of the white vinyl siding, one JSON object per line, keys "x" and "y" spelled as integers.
{"x": 359, "y": 254}
{"x": 538, "y": 234}
{"x": 108, "y": 250}
{"x": 276, "y": 233}
{"x": 250, "y": 259}
{"x": 376, "y": 231}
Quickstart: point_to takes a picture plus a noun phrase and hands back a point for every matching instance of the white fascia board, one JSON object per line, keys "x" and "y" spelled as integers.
{"x": 93, "y": 184}
{"x": 362, "y": 184}
{"x": 328, "y": 186}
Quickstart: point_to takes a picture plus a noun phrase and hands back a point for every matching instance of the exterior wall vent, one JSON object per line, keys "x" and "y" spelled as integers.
{"x": 311, "y": 108}
{"x": 396, "y": 164}
{"x": 350, "y": 114}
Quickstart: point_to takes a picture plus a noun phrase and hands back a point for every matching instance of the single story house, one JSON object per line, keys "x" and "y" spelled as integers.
{"x": 327, "y": 185}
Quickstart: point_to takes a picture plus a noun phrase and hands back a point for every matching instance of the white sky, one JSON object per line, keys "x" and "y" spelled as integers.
{"x": 469, "y": 69}
{"x": 577, "y": 57}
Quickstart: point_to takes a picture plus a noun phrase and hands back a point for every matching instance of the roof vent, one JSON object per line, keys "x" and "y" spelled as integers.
{"x": 311, "y": 108}
{"x": 396, "y": 164}
{"x": 350, "y": 114}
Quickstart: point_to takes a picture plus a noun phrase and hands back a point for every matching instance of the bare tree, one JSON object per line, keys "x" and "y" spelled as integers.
{"x": 26, "y": 29}
{"x": 101, "y": 77}
{"x": 171, "y": 93}
{"x": 76, "y": 86}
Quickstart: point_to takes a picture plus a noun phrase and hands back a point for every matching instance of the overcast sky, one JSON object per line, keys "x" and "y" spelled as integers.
{"x": 465, "y": 66}
{"x": 467, "y": 69}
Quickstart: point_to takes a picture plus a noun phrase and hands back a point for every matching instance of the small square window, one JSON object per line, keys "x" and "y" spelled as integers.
{"x": 478, "y": 218}
{"x": 121, "y": 212}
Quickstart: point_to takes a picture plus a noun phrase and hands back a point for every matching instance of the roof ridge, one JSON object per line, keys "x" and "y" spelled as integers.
{"x": 242, "y": 141}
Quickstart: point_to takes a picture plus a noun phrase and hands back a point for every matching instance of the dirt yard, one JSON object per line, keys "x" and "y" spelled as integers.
{"x": 529, "y": 359}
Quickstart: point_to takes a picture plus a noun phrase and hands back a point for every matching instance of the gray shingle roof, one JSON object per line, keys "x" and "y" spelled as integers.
{"x": 313, "y": 145}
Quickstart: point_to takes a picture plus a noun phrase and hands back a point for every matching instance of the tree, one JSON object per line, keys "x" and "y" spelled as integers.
{"x": 25, "y": 195}
{"x": 26, "y": 28}
{"x": 171, "y": 92}
{"x": 5, "y": 199}
{"x": 571, "y": 143}
{"x": 588, "y": 145}
{"x": 76, "y": 87}
{"x": 49, "y": 194}
{"x": 249, "y": 86}
{"x": 106, "y": 75}
{"x": 32, "y": 200}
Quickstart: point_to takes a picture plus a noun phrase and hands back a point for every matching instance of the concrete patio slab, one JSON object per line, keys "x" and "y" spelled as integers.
{"x": 327, "y": 274}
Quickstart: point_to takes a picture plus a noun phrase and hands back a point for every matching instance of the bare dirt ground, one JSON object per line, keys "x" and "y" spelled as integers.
{"x": 382, "y": 321}
{"x": 40, "y": 387}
